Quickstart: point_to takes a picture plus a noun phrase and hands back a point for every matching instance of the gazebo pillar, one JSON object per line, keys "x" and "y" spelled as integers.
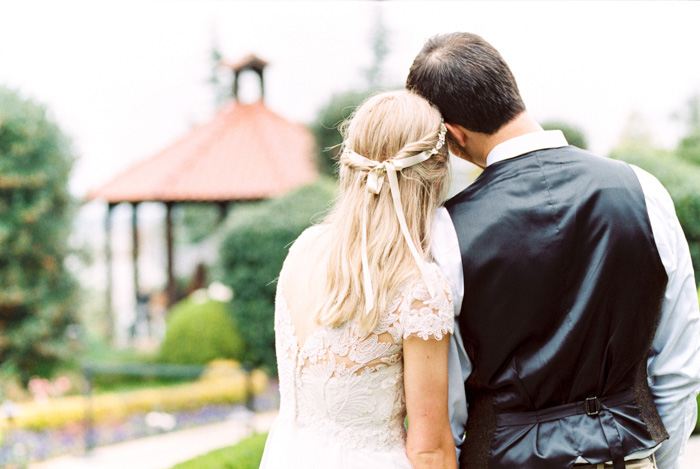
{"x": 110, "y": 282}
{"x": 135, "y": 247}
{"x": 172, "y": 287}
{"x": 223, "y": 210}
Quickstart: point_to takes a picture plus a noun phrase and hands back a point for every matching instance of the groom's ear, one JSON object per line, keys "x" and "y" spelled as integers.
{"x": 457, "y": 132}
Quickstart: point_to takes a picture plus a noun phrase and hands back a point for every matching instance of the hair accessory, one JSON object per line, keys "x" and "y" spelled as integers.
{"x": 441, "y": 138}
{"x": 375, "y": 179}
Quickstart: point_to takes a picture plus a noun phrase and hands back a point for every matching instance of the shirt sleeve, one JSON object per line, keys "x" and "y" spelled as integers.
{"x": 446, "y": 253}
{"x": 673, "y": 366}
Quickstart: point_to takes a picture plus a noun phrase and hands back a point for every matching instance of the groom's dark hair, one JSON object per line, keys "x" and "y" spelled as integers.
{"x": 468, "y": 81}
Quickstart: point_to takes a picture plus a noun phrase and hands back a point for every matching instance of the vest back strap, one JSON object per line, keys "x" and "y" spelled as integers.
{"x": 594, "y": 407}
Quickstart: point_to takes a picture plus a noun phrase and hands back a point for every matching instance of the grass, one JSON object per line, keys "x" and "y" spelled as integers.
{"x": 246, "y": 454}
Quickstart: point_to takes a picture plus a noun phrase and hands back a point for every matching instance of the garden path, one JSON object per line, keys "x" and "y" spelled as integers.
{"x": 166, "y": 450}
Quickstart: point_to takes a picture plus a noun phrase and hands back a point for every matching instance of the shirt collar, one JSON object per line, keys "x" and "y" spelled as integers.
{"x": 525, "y": 144}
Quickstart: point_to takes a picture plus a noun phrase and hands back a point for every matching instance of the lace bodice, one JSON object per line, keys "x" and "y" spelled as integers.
{"x": 347, "y": 385}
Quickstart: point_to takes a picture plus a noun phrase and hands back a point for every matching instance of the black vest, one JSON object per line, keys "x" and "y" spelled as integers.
{"x": 562, "y": 291}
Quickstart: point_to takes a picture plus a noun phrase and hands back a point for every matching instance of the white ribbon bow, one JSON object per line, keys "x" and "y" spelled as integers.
{"x": 375, "y": 179}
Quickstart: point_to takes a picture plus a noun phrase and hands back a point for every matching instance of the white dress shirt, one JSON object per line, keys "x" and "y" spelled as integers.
{"x": 673, "y": 366}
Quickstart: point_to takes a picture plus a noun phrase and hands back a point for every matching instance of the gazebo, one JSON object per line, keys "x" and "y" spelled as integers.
{"x": 246, "y": 152}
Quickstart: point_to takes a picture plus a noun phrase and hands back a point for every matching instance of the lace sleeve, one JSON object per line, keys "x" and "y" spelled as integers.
{"x": 426, "y": 317}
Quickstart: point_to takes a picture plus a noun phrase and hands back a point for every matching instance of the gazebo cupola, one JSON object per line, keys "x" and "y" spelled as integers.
{"x": 252, "y": 63}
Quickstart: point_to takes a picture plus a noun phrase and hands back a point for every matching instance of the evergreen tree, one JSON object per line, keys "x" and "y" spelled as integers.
{"x": 37, "y": 293}
{"x": 380, "y": 49}
{"x": 220, "y": 86}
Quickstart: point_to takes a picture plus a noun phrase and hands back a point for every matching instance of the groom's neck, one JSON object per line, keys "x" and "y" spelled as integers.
{"x": 522, "y": 124}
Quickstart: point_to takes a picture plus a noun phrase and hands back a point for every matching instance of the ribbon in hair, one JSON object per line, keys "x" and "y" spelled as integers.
{"x": 375, "y": 179}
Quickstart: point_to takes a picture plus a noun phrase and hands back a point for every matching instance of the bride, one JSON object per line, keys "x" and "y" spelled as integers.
{"x": 362, "y": 318}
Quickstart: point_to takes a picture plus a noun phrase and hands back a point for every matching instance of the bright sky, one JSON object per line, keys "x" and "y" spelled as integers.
{"x": 125, "y": 78}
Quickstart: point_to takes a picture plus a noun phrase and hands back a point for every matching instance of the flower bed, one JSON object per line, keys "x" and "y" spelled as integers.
{"x": 58, "y": 425}
{"x": 22, "y": 446}
{"x": 62, "y": 411}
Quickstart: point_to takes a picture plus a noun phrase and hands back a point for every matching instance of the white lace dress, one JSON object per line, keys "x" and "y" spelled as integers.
{"x": 342, "y": 394}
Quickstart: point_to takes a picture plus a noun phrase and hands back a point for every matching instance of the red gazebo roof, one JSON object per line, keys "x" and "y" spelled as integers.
{"x": 245, "y": 152}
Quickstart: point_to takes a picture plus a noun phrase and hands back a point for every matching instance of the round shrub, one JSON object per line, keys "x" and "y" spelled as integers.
{"x": 198, "y": 332}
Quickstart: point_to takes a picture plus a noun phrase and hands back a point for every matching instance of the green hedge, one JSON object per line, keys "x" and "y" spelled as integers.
{"x": 199, "y": 332}
{"x": 251, "y": 257}
{"x": 682, "y": 180}
{"x": 247, "y": 454}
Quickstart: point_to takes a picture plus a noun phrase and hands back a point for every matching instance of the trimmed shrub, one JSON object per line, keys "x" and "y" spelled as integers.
{"x": 251, "y": 257}
{"x": 247, "y": 454}
{"x": 199, "y": 332}
{"x": 682, "y": 180}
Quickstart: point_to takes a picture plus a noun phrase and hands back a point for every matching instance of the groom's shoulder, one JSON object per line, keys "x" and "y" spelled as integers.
{"x": 562, "y": 163}
{"x": 573, "y": 154}
{"x": 587, "y": 174}
{"x": 587, "y": 165}
{"x": 592, "y": 158}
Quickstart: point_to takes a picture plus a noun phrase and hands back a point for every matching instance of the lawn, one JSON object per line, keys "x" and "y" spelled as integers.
{"x": 246, "y": 454}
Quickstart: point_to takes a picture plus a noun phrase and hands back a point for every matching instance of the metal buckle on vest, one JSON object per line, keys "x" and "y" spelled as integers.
{"x": 592, "y": 406}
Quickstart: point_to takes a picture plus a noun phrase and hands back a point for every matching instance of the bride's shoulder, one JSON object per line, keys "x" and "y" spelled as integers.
{"x": 434, "y": 276}
{"x": 308, "y": 247}
{"x": 427, "y": 309}
{"x": 308, "y": 238}
{"x": 426, "y": 289}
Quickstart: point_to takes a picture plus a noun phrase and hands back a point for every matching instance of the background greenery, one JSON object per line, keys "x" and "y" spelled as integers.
{"x": 251, "y": 257}
{"x": 682, "y": 180}
{"x": 325, "y": 127}
{"x": 573, "y": 133}
{"x": 37, "y": 293}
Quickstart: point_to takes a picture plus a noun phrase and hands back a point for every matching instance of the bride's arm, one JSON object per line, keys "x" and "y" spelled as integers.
{"x": 429, "y": 443}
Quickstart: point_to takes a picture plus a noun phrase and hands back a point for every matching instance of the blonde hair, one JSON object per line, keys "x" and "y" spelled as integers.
{"x": 392, "y": 125}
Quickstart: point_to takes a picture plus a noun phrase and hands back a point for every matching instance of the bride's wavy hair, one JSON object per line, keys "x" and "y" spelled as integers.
{"x": 395, "y": 124}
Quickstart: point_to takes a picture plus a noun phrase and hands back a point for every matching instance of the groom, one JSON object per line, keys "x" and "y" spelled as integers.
{"x": 579, "y": 321}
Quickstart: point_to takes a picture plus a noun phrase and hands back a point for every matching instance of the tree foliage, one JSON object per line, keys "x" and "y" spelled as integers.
{"x": 220, "y": 87}
{"x": 251, "y": 257}
{"x": 574, "y": 134}
{"x": 37, "y": 293}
